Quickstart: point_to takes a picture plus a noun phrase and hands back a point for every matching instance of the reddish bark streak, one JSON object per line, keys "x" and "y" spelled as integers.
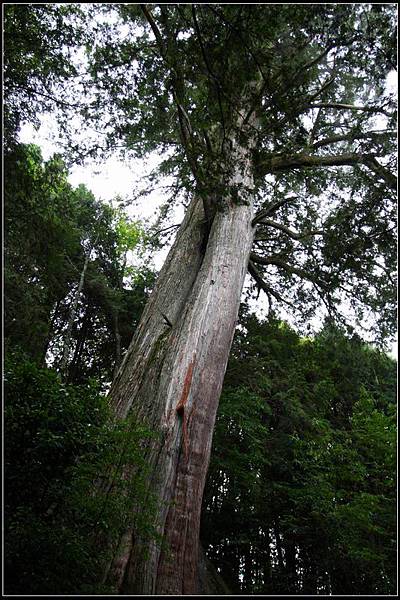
{"x": 180, "y": 407}
{"x": 186, "y": 388}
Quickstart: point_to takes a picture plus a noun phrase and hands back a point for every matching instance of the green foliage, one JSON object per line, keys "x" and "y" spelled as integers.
{"x": 129, "y": 233}
{"x": 40, "y": 41}
{"x": 42, "y": 271}
{"x": 301, "y": 491}
{"x": 38, "y": 269}
{"x": 74, "y": 480}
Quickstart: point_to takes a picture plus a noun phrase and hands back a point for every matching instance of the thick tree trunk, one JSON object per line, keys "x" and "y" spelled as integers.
{"x": 171, "y": 378}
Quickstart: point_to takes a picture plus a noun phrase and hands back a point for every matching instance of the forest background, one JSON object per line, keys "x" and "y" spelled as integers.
{"x": 300, "y": 496}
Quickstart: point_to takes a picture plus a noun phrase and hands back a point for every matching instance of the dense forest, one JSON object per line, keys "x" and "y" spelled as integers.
{"x": 162, "y": 435}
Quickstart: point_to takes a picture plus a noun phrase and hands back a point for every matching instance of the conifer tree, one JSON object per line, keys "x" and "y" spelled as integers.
{"x": 277, "y": 125}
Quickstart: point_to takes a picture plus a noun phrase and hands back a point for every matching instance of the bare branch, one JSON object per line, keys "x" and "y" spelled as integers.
{"x": 283, "y": 163}
{"x": 263, "y": 286}
{"x": 293, "y": 234}
{"x": 341, "y": 106}
{"x": 166, "y": 229}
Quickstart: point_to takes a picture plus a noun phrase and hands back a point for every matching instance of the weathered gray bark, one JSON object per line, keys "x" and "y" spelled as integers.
{"x": 171, "y": 378}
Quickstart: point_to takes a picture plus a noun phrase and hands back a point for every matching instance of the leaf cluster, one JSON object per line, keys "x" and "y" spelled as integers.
{"x": 42, "y": 271}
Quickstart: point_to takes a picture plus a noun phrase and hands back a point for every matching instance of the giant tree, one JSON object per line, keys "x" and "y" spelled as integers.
{"x": 276, "y": 123}
{"x": 280, "y": 129}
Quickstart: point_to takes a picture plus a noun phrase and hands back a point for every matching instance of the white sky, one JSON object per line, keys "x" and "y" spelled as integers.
{"x": 112, "y": 178}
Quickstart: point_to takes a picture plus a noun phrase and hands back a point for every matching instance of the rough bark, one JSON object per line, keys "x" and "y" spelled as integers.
{"x": 171, "y": 378}
{"x": 117, "y": 343}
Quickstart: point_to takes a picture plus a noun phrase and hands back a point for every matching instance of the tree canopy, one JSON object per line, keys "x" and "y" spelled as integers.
{"x": 175, "y": 78}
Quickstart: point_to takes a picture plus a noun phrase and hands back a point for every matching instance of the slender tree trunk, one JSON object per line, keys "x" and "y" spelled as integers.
{"x": 267, "y": 571}
{"x": 210, "y": 582}
{"x": 281, "y": 562}
{"x": 71, "y": 319}
{"x": 249, "y": 565}
{"x": 116, "y": 321}
{"x": 171, "y": 378}
{"x": 52, "y": 321}
{"x": 290, "y": 560}
{"x": 73, "y": 371}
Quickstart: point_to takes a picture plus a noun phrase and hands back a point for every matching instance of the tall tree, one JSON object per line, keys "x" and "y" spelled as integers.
{"x": 281, "y": 129}
{"x": 64, "y": 287}
{"x": 278, "y": 124}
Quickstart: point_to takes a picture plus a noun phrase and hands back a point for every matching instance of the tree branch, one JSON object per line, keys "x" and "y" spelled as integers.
{"x": 382, "y": 172}
{"x": 315, "y": 61}
{"x": 315, "y": 128}
{"x": 277, "y": 262}
{"x": 323, "y": 87}
{"x": 263, "y": 286}
{"x": 166, "y": 229}
{"x": 186, "y": 131}
{"x": 154, "y": 28}
{"x": 48, "y": 96}
{"x": 213, "y": 77}
{"x": 293, "y": 234}
{"x": 349, "y": 137}
{"x": 284, "y": 163}
{"x": 269, "y": 210}
{"x": 341, "y": 106}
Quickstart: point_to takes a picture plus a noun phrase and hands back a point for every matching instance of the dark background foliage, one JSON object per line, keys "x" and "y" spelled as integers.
{"x": 301, "y": 493}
